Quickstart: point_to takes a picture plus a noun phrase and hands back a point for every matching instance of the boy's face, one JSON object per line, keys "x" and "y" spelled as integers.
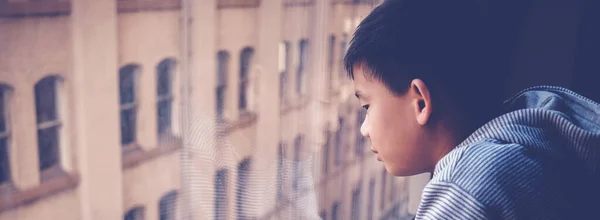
{"x": 394, "y": 125}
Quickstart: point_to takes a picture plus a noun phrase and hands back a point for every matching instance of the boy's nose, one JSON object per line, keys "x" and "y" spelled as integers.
{"x": 364, "y": 128}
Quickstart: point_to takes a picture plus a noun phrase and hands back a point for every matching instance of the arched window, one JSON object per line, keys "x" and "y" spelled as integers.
{"x": 222, "y": 72}
{"x": 280, "y": 171}
{"x": 339, "y": 135}
{"x": 356, "y": 206}
{"x": 302, "y": 63}
{"x": 242, "y": 178}
{"x": 49, "y": 123}
{"x": 245, "y": 65}
{"x": 221, "y": 178}
{"x": 5, "y": 133}
{"x": 284, "y": 63}
{"x": 326, "y": 150}
{"x": 371, "y": 198}
{"x": 167, "y": 206}
{"x": 136, "y": 213}
{"x": 330, "y": 60}
{"x": 298, "y": 142}
{"x": 128, "y": 103}
{"x": 335, "y": 209}
{"x": 323, "y": 215}
{"x": 164, "y": 97}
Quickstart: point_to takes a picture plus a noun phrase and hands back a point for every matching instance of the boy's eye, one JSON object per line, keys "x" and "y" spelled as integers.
{"x": 366, "y": 107}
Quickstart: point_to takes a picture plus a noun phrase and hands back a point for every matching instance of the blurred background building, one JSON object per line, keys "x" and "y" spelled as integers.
{"x": 97, "y": 98}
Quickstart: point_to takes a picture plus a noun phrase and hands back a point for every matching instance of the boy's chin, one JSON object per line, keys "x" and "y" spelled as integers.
{"x": 403, "y": 171}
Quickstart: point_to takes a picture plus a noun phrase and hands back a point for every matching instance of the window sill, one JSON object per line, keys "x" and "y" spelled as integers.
{"x": 245, "y": 119}
{"x": 149, "y": 5}
{"x": 13, "y": 198}
{"x": 32, "y": 8}
{"x": 299, "y": 103}
{"x": 352, "y": 2}
{"x": 298, "y": 3}
{"x": 238, "y": 4}
{"x": 135, "y": 156}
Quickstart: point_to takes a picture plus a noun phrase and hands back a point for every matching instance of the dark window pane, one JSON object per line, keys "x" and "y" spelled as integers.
{"x": 164, "y": 78}
{"x": 243, "y": 169}
{"x": 323, "y": 215}
{"x": 326, "y": 153}
{"x": 4, "y": 162}
{"x": 164, "y": 116}
{"x": 45, "y": 100}
{"x": 135, "y": 214}
{"x": 338, "y": 142}
{"x": 128, "y": 121}
{"x": 222, "y": 67}
{"x": 127, "y": 84}
{"x": 3, "y": 110}
{"x": 167, "y": 206}
{"x": 48, "y": 147}
{"x": 246, "y": 60}
{"x": 296, "y": 170}
{"x": 356, "y": 204}
{"x": 371, "y": 198}
{"x": 330, "y": 60}
{"x": 282, "y": 85}
{"x": 243, "y": 103}
{"x": 221, "y": 194}
{"x": 287, "y": 55}
{"x": 280, "y": 171}
{"x": 301, "y": 65}
{"x": 220, "y": 102}
{"x": 334, "y": 211}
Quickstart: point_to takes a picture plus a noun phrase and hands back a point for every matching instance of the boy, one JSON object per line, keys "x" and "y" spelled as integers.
{"x": 427, "y": 71}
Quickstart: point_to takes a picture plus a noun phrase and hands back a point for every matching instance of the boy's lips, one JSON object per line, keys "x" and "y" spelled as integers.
{"x": 377, "y": 154}
{"x": 374, "y": 151}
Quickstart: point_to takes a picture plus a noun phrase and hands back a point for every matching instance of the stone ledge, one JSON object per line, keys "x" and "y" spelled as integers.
{"x": 13, "y": 198}
{"x": 238, "y": 4}
{"x": 34, "y": 8}
{"x": 147, "y": 5}
{"x": 299, "y": 3}
{"x": 134, "y": 157}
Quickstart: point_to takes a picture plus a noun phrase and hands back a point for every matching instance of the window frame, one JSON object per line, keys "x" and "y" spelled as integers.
{"x": 245, "y": 71}
{"x": 6, "y": 97}
{"x": 139, "y": 213}
{"x": 55, "y": 123}
{"x": 131, "y": 106}
{"x": 169, "y": 199}
{"x": 169, "y": 98}
{"x": 303, "y": 63}
{"x": 223, "y": 62}
{"x": 221, "y": 204}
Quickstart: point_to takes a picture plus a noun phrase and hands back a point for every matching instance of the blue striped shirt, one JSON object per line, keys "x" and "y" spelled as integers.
{"x": 540, "y": 160}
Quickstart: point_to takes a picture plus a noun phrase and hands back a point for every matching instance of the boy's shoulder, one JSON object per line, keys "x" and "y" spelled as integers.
{"x": 497, "y": 180}
{"x": 490, "y": 164}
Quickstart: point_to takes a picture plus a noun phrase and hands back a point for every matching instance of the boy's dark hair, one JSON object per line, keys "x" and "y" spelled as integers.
{"x": 446, "y": 43}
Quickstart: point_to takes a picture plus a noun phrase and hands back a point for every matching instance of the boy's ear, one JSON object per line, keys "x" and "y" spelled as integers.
{"x": 420, "y": 101}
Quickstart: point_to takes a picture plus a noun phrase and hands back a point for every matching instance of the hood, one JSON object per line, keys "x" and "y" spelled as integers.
{"x": 552, "y": 121}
